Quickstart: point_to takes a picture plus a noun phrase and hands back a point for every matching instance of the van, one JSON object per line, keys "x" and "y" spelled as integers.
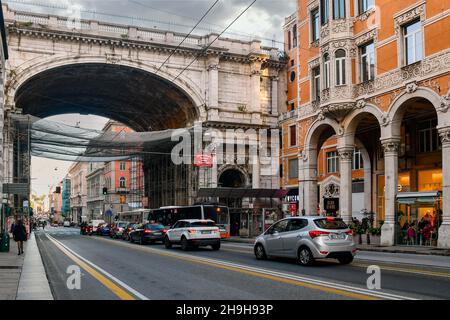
{"x": 95, "y": 224}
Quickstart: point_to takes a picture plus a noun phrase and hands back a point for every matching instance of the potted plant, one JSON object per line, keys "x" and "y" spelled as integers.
{"x": 375, "y": 234}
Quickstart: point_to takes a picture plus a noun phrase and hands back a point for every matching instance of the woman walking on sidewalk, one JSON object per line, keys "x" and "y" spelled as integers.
{"x": 20, "y": 235}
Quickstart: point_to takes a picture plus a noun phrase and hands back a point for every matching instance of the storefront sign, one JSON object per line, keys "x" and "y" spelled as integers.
{"x": 203, "y": 161}
{"x": 293, "y": 209}
{"x": 331, "y": 205}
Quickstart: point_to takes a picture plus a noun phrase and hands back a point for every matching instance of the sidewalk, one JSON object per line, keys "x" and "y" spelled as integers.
{"x": 375, "y": 248}
{"x": 23, "y": 277}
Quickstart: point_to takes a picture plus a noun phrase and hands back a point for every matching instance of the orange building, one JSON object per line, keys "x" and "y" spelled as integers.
{"x": 368, "y": 95}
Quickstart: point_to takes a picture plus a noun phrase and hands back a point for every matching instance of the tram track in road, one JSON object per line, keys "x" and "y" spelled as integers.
{"x": 340, "y": 289}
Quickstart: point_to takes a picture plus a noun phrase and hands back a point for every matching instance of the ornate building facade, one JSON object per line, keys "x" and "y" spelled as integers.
{"x": 372, "y": 88}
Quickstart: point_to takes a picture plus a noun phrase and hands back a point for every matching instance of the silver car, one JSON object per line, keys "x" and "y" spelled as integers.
{"x": 306, "y": 239}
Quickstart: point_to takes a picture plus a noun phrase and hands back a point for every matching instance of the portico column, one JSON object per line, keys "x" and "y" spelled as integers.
{"x": 345, "y": 168}
{"x": 213, "y": 82}
{"x": 390, "y": 147}
{"x": 308, "y": 183}
{"x": 255, "y": 91}
{"x": 444, "y": 229}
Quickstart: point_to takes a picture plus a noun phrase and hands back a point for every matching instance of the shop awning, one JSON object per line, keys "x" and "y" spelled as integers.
{"x": 412, "y": 197}
{"x": 237, "y": 193}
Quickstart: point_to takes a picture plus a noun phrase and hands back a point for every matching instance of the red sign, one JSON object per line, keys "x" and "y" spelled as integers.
{"x": 293, "y": 209}
{"x": 203, "y": 161}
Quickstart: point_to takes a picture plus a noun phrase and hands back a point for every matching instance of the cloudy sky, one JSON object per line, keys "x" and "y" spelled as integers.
{"x": 262, "y": 21}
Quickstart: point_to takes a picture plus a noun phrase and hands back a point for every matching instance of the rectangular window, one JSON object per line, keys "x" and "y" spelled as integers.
{"x": 332, "y": 162}
{"x": 324, "y": 11}
{"x": 315, "y": 25}
{"x": 340, "y": 71}
{"x": 429, "y": 140}
{"x": 289, "y": 40}
{"x": 293, "y": 169}
{"x": 326, "y": 71}
{"x": 316, "y": 83}
{"x": 293, "y": 135}
{"x": 358, "y": 187}
{"x": 413, "y": 42}
{"x": 122, "y": 166}
{"x": 367, "y": 62}
{"x": 357, "y": 160}
{"x": 338, "y": 9}
{"x": 294, "y": 36}
{"x": 364, "y": 5}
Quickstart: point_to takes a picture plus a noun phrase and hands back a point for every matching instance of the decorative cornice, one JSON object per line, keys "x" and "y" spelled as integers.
{"x": 366, "y": 37}
{"x": 445, "y": 103}
{"x": 408, "y": 16}
{"x": 365, "y": 15}
{"x": 411, "y": 87}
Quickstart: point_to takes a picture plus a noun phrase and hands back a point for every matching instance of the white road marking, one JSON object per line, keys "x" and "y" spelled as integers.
{"x": 105, "y": 273}
{"x": 290, "y": 276}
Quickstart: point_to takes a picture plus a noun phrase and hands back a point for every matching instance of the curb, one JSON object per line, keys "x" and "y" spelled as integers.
{"x": 33, "y": 283}
{"x": 443, "y": 252}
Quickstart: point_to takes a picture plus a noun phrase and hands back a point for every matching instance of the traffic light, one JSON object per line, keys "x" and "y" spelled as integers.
{"x": 105, "y": 191}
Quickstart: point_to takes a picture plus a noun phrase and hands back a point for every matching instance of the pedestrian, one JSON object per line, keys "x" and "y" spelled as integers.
{"x": 20, "y": 235}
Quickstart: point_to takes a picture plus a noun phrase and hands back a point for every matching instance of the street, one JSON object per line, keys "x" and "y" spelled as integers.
{"x": 116, "y": 269}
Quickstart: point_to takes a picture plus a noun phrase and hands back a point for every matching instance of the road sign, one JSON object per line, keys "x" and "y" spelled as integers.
{"x": 108, "y": 213}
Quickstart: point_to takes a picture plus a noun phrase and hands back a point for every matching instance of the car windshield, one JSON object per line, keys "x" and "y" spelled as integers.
{"x": 203, "y": 224}
{"x": 155, "y": 227}
{"x": 330, "y": 223}
{"x": 122, "y": 225}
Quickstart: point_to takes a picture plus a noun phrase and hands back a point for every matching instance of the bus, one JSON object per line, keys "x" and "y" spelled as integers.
{"x": 168, "y": 216}
{"x": 135, "y": 216}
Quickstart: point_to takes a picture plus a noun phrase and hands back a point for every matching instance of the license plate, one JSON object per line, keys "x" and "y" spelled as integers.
{"x": 337, "y": 236}
{"x": 157, "y": 233}
{"x": 206, "y": 232}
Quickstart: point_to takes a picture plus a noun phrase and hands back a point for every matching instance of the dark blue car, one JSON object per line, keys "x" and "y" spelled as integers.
{"x": 103, "y": 229}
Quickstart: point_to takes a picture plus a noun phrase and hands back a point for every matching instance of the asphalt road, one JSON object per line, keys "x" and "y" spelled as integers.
{"x": 115, "y": 269}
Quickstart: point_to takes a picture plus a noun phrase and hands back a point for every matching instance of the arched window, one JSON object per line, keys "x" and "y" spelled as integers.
{"x": 122, "y": 182}
{"x": 326, "y": 71}
{"x": 340, "y": 67}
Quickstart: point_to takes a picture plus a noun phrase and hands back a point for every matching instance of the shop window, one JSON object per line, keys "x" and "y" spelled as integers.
{"x": 340, "y": 67}
{"x": 293, "y": 169}
{"x": 412, "y": 34}
{"x": 430, "y": 180}
{"x": 332, "y": 162}
{"x": 367, "y": 62}
{"x": 315, "y": 25}
{"x": 429, "y": 140}
{"x": 324, "y": 11}
{"x": 338, "y": 9}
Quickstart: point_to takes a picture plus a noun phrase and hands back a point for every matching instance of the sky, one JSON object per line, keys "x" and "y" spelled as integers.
{"x": 48, "y": 172}
{"x": 264, "y": 21}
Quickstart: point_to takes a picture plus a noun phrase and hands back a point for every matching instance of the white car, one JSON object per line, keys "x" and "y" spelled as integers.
{"x": 193, "y": 233}
{"x": 66, "y": 223}
{"x": 95, "y": 224}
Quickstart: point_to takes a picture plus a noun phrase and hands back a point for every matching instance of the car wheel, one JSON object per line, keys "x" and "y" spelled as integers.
{"x": 260, "y": 253}
{"x": 167, "y": 243}
{"x": 305, "y": 256}
{"x": 216, "y": 246}
{"x": 184, "y": 244}
{"x": 345, "y": 260}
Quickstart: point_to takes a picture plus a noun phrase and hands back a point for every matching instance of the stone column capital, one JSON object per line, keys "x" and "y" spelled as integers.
{"x": 444, "y": 134}
{"x": 391, "y": 145}
{"x": 345, "y": 153}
